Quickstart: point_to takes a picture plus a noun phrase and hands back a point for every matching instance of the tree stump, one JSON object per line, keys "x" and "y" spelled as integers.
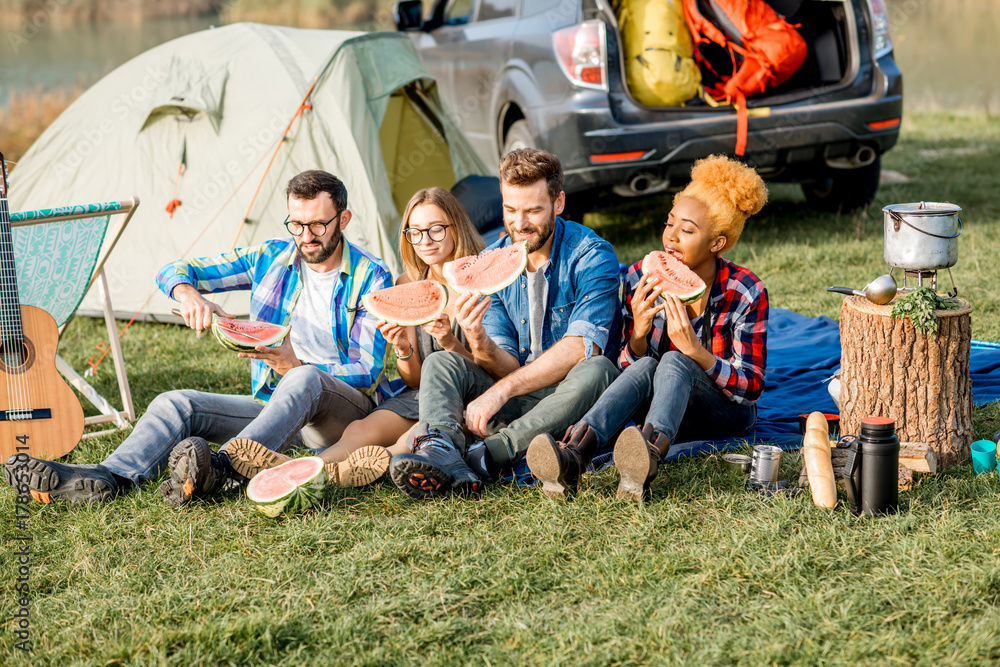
{"x": 889, "y": 369}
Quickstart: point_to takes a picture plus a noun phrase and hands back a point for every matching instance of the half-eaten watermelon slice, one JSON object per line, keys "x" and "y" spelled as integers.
{"x": 489, "y": 271}
{"x": 290, "y": 488}
{"x": 673, "y": 276}
{"x": 245, "y": 335}
{"x": 409, "y": 304}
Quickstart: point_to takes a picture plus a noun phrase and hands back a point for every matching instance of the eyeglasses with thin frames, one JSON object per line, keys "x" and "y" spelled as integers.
{"x": 436, "y": 232}
{"x": 296, "y": 228}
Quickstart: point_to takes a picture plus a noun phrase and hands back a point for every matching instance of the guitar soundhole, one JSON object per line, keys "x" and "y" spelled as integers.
{"x": 16, "y": 356}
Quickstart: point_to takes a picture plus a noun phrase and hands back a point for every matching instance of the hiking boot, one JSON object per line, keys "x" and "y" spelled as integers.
{"x": 559, "y": 465}
{"x": 435, "y": 468}
{"x": 195, "y": 472}
{"x": 637, "y": 457}
{"x": 477, "y": 457}
{"x": 173, "y": 493}
{"x": 74, "y": 483}
{"x": 362, "y": 467}
{"x": 249, "y": 457}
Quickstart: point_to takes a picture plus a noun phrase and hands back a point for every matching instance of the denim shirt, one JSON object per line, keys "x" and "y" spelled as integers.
{"x": 583, "y": 277}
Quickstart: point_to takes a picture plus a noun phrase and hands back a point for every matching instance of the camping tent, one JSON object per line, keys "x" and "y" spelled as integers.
{"x": 198, "y": 120}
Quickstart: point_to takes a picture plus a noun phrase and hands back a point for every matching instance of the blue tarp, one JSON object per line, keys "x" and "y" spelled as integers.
{"x": 802, "y": 353}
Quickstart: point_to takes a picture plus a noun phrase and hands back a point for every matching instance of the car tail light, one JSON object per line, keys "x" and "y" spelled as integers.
{"x": 881, "y": 34}
{"x": 885, "y": 124}
{"x": 582, "y": 54}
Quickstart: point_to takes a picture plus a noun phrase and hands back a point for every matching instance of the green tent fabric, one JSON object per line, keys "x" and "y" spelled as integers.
{"x": 218, "y": 101}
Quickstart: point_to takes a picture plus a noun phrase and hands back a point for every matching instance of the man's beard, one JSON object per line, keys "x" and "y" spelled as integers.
{"x": 326, "y": 250}
{"x": 542, "y": 238}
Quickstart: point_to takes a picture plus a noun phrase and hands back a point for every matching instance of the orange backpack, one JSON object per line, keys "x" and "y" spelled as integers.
{"x": 763, "y": 49}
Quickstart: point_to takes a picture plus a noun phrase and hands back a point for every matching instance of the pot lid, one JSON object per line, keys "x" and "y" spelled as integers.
{"x": 923, "y": 208}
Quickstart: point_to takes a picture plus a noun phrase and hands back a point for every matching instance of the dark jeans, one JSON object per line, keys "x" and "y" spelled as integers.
{"x": 673, "y": 394}
{"x": 449, "y": 381}
{"x": 308, "y": 405}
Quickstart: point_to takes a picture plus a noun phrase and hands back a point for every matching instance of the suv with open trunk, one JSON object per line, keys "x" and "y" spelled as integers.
{"x": 550, "y": 73}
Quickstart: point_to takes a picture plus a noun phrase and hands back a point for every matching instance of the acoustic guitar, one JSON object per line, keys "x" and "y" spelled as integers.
{"x": 40, "y": 415}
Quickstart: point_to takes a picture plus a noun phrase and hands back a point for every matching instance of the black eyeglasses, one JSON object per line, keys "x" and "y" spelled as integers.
{"x": 315, "y": 228}
{"x": 414, "y": 236}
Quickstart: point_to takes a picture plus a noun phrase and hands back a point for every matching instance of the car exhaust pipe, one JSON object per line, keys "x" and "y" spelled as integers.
{"x": 862, "y": 157}
{"x": 640, "y": 184}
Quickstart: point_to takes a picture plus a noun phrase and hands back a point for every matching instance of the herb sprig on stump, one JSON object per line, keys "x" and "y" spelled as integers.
{"x": 919, "y": 306}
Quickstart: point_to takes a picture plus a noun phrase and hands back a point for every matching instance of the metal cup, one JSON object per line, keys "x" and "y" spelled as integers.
{"x": 739, "y": 462}
{"x": 765, "y": 464}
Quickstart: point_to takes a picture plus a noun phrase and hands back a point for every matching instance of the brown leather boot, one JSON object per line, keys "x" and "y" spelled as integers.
{"x": 558, "y": 465}
{"x": 637, "y": 457}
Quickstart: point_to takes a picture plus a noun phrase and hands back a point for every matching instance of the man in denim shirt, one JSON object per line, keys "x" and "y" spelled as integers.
{"x": 538, "y": 344}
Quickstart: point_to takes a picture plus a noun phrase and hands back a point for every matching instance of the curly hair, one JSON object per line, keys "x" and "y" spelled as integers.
{"x": 730, "y": 190}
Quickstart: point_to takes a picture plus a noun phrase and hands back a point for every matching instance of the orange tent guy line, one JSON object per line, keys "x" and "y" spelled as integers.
{"x": 303, "y": 106}
{"x": 298, "y": 112}
{"x": 95, "y": 364}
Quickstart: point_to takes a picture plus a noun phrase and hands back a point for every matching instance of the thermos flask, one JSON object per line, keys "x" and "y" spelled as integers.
{"x": 872, "y": 468}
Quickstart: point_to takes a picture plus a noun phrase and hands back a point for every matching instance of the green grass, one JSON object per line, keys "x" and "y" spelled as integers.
{"x": 704, "y": 573}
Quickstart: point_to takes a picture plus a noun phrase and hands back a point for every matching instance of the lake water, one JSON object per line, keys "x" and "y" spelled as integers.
{"x": 948, "y": 51}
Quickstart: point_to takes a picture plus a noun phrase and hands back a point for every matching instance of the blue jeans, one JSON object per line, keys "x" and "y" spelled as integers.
{"x": 673, "y": 394}
{"x": 449, "y": 382}
{"x": 308, "y": 406}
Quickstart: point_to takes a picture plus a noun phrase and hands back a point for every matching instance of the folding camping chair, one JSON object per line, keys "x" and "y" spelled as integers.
{"x": 60, "y": 254}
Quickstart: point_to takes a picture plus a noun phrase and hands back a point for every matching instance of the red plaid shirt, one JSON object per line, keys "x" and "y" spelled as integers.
{"x": 738, "y": 305}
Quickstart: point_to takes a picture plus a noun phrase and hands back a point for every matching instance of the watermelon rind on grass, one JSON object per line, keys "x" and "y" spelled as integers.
{"x": 408, "y": 304}
{"x": 292, "y": 487}
{"x": 673, "y": 275}
{"x": 245, "y": 335}
{"x": 489, "y": 271}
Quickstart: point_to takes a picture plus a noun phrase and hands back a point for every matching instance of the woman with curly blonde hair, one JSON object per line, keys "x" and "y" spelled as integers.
{"x": 688, "y": 371}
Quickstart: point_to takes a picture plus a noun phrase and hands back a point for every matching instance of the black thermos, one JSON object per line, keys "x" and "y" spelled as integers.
{"x": 879, "y": 466}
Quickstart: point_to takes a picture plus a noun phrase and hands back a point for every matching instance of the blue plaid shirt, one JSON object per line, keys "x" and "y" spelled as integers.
{"x": 271, "y": 272}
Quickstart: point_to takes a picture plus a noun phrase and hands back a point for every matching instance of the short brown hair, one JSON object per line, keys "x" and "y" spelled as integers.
{"x": 527, "y": 166}
{"x": 309, "y": 184}
{"x": 467, "y": 239}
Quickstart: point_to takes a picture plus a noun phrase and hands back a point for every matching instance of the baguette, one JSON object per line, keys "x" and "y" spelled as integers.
{"x": 819, "y": 466}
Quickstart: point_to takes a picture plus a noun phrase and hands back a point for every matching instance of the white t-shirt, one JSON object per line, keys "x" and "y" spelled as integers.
{"x": 312, "y": 316}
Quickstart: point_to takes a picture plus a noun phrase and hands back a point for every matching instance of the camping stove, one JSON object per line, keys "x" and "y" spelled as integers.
{"x": 920, "y": 278}
{"x": 922, "y": 239}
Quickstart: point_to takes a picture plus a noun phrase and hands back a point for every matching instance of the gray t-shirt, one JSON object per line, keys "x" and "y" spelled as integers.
{"x": 538, "y": 296}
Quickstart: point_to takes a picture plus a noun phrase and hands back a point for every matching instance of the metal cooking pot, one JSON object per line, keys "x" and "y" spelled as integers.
{"x": 921, "y": 236}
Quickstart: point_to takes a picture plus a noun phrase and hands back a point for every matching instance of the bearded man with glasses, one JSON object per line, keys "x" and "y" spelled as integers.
{"x": 326, "y": 373}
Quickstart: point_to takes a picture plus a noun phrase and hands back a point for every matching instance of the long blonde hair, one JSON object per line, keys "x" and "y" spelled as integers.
{"x": 467, "y": 239}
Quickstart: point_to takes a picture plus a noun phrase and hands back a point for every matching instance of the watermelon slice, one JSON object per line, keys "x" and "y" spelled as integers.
{"x": 290, "y": 488}
{"x": 409, "y": 304}
{"x": 244, "y": 335}
{"x": 489, "y": 271}
{"x": 673, "y": 275}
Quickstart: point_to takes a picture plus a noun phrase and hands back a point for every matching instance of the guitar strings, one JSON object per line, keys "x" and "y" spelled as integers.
{"x": 13, "y": 333}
